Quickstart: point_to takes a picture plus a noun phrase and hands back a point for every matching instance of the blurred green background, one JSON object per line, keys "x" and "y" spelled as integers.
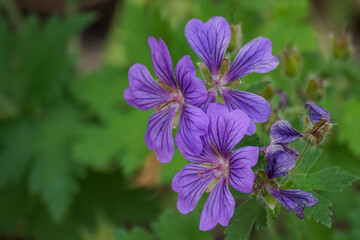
{"x": 73, "y": 162}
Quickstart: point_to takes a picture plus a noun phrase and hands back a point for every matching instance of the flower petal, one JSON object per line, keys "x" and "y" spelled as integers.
{"x": 193, "y": 123}
{"x": 144, "y": 93}
{"x": 255, "y": 106}
{"x": 162, "y": 62}
{"x": 219, "y": 207}
{"x": 282, "y": 132}
{"x": 317, "y": 113}
{"x": 190, "y": 183}
{"x": 279, "y": 162}
{"x": 294, "y": 200}
{"x": 209, "y": 40}
{"x": 241, "y": 177}
{"x": 159, "y": 133}
{"x": 210, "y": 98}
{"x": 226, "y": 128}
{"x": 255, "y": 56}
{"x": 192, "y": 88}
{"x": 207, "y": 156}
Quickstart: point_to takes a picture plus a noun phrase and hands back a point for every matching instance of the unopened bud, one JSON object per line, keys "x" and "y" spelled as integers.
{"x": 236, "y": 38}
{"x": 317, "y": 133}
{"x": 341, "y": 46}
{"x": 268, "y": 92}
{"x": 314, "y": 88}
{"x": 291, "y": 62}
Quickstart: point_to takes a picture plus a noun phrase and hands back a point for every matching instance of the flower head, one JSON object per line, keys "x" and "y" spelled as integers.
{"x": 216, "y": 167}
{"x": 168, "y": 96}
{"x": 210, "y": 40}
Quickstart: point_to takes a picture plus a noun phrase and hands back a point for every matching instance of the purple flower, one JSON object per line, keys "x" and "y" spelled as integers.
{"x": 210, "y": 40}
{"x": 282, "y": 132}
{"x": 168, "y": 96}
{"x": 317, "y": 113}
{"x": 294, "y": 200}
{"x": 279, "y": 161}
{"x": 215, "y": 167}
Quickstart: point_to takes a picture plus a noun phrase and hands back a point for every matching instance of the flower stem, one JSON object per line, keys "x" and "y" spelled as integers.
{"x": 297, "y": 163}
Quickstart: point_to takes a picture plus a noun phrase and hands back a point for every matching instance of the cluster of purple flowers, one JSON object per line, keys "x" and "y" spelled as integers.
{"x": 207, "y": 131}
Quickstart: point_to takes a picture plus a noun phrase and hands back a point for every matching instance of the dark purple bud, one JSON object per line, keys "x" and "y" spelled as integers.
{"x": 279, "y": 162}
{"x": 294, "y": 200}
{"x": 317, "y": 113}
{"x": 282, "y": 132}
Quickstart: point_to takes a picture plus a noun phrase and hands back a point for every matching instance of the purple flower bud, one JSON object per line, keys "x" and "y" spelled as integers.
{"x": 294, "y": 200}
{"x": 282, "y": 132}
{"x": 279, "y": 162}
{"x": 317, "y": 113}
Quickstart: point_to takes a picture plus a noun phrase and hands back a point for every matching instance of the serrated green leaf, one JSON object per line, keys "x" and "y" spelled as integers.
{"x": 328, "y": 179}
{"x": 245, "y": 216}
{"x": 53, "y": 174}
{"x": 321, "y": 213}
{"x": 134, "y": 234}
{"x": 310, "y": 157}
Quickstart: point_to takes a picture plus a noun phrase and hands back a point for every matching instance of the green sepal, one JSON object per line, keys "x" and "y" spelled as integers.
{"x": 205, "y": 72}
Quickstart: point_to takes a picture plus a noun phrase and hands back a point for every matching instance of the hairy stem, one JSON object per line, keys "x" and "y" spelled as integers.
{"x": 301, "y": 156}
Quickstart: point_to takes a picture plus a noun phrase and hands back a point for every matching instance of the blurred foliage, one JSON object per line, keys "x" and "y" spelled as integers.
{"x": 73, "y": 162}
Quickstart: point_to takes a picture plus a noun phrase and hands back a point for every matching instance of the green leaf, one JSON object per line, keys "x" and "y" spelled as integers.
{"x": 53, "y": 174}
{"x": 349, "y": 129}
{"x": 176, "y": 226}
{"x": 134, "y": 234}
{"x": 245, "y": 216}
{"x": 320, "y": 212}
{"x": 328, "y": 179}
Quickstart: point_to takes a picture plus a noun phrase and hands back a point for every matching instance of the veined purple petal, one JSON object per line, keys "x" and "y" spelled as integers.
{"x": 241, "y": 177}
{"x": 209, "y": 40}
{"x": 162, "y": 62}
{"x": 219, "y": 207}
{"x": 294, "y": 200}
{"x": 210, "y": 98}
{"x": 193, "y": 123}
{"x": 317, "y": 113}
{"x": 251, "y": 129}
{"x": 207, "y": 156}
{"x": 192, "y": 88}
{"x": 255, "y": 56}
{"x": 226, "y": 128}
{"x": 159, "y": 133}
{"x": 144, "y": 93}
{"x": 293, "y": 152}
{"x": 190, "y": 183}
{"x": 255, "y": 106}
{"x": 282, "y": 132}
{"x": 279, "y": 162}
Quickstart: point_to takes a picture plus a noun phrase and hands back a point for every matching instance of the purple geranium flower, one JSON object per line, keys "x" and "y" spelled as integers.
{"x": 168, "y": 96}
{"x": 210, "y": 40}
{"x": 216, "y": 166}
{"x": 294, "y": 200}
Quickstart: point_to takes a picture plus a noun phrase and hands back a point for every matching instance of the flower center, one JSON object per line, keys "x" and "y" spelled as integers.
{"x": 176, "y": 98}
